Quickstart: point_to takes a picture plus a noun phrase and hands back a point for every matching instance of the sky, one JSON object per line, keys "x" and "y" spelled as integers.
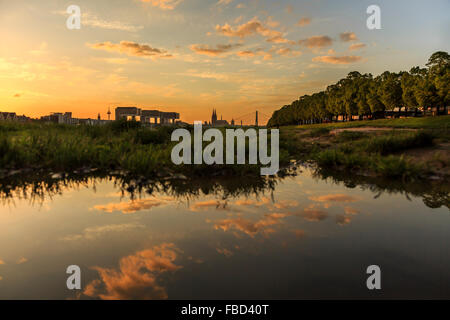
{"x": 190, "y": 56}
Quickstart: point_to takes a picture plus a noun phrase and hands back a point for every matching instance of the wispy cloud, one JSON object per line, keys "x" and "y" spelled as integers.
{"x": 163, "y": 4}
{"x": 357, "y": 46}
{"x": 96, "y": 232}
{"x": 92, "y": 20}
{"x": 214, "y": 52}
{"x": 252, "y": 27}
{"x": 89, "y": 19}
{"x": 337, "y": 59}
{"x": 134, "y": 206}
{"x": 304, "y": 21}
{"x": 348, "y": 36}
{"x": 224, "y": 2}
{"x": 131, "y": 49}
{"x": 317, "y": 42}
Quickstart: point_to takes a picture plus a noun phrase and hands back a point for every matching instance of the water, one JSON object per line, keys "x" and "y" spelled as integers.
{"x": 304, "y": 236}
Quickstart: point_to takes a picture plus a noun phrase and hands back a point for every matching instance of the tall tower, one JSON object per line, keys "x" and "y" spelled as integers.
{"x": 109, "y": 114}
{"x": 214, "y": 117}
{"x": 256, "y": 122}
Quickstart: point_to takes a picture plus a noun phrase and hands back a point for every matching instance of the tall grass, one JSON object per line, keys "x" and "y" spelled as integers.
{"x": 119, "y": 145}
{"x": 395, "y": 142}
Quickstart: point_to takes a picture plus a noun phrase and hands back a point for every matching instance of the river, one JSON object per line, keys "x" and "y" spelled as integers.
{"x": 307, "y": 235}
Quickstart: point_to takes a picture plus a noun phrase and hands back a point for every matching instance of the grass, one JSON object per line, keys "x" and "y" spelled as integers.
{"x": 116, "y": 146}
{"x": 441, "y": 122}
{"x": 136, "y": 150}
{"x": 395, "y": 142}
{"x": 318, "y": 132}
{"x": 390, "y": 154}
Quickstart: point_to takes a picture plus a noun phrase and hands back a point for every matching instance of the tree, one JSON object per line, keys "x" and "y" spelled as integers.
{"x": 409, "y": 83}
{"x": 363, "y": 94}
{"x": 390, "y": 91}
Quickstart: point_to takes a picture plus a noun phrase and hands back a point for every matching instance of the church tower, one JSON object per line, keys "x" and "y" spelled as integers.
{"x": 214, "y": 117}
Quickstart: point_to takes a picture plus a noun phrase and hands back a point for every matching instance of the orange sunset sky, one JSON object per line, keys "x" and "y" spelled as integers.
{"x": 191, "y": 56}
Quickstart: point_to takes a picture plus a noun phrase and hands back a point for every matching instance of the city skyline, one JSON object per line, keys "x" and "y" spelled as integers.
{"x": 193, "y": 56}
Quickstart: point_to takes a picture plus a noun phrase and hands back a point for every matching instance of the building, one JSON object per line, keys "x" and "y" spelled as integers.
{"x": 66, "y": 118}
{"x": 12, "y": 116}
{"x": 146, "y": 116}
{"x": 60, "y": 118}
{"x": 218, "y": 123}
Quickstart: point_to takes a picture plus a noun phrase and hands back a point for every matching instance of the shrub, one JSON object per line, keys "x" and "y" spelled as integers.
{"x": 394, "y": 142}
{"x": 318, "y": 132}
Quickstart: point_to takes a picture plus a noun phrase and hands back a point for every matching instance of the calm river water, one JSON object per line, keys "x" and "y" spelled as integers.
{"x": 303, "y": 236}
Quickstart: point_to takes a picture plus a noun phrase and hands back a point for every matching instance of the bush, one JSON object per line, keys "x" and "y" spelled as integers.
{"x": 345, "y": 136}
{"x": 318, "y": 132}
{"x": 122, "y": 125}
{"x": 394, "y": 142}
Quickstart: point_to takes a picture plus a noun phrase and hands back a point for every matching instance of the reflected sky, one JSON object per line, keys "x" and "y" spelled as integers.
{"x": 306, "y": 238}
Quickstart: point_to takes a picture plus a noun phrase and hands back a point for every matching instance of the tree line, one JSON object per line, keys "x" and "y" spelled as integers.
{"x": 364, "y": 95}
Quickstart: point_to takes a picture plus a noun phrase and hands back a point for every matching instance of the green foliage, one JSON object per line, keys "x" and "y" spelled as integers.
{"x": 318, "y": 132}
{"x": 395, "y": 142}
{"x": 346, "y": 136}
{"x": 123, "y": 125}
{"x": 362, "y": 94}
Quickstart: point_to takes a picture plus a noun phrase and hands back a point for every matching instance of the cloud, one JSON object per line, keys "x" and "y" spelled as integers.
{"x": 17, "y": 95}
{"x": 256, "y": 53}
{"x": 357, "y": 46}
{"x": 96, "y": 232}
{"x": 2, "y": 262}
{"x": 251, "y": 228}
{"x": 348, "y": 36}
{"x": 214, "y": 52}
{"x": 337, "y": 60}
{"x": 22, "y": 260}
{"x": 205, "y": 75}
{"x": 240, "y": 6}
{"x": 312, "y": 214}
{"x": 251, "y": 28}
{"x": 253, "y": 203}
{"x": 304, "y": 22}
{"x": 286, "y": 52}
{"x": 206, "y": 205}
{"x": 132, "y": 49}
{"x": 339, "y": 197}
{"x": 224, "y": 2}
{"x": 89, "y": 19}
{"x": 137, "y": 277}
{"x": 134, "y": 206}
{"x": 317, "y": 42}
{"x": 227, "y": 253}
{"x": 342, "y": 219}
{"x": 92, "y": 20}
{"x": 285, "y": 204}
{"x": 351, "y": 211}
{"x": 299, "y": 233}
{"x": 164, "y": 4}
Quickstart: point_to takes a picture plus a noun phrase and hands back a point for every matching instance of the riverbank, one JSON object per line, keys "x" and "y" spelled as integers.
{"x": 119, "y": 147}
{"x": 410, "y": 148}
{"x": 415, "y": 148}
